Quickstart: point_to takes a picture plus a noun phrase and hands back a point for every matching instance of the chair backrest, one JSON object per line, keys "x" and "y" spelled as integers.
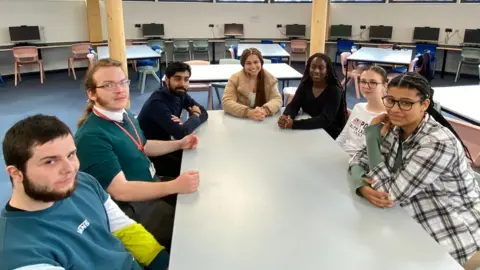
{"x": 181, "y": 43}
{"x": 422, "y": 47}
{"x": 265, "y": 41}
{"x": 385, "y": 46}
{"x": 344, "y": 45}
{"x": 25, "y": 52}
{"x": 232, "y": 41}
{"x": 80, "y": 49}
{"x": 267, "y": 61}
{"x": 158, "y": 42}
{"x": 202, "y": 43}
{"x": 471, "y": 53}
{"x": 197, "y": 63}
{"x": 424, "y": 65}
{"x": 229, "y": 61}
{"x": 298, "y": 46}
{"x": 469, "y": 135}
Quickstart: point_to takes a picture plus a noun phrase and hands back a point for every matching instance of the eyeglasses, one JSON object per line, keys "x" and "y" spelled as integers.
{"x": 404, "y": 105}
{"x": 113, "y": 85}
{"x": 371, "y": 84}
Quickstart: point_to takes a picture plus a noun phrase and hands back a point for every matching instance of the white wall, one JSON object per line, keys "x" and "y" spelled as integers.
{"x": 65, "y": 20}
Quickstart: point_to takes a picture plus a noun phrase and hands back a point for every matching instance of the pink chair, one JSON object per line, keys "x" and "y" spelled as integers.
{"x": 298, "y": 46}
{"x": 201, "y": 87}
{"x": 27, "y": 55}
{"x": 470, "y": 135}
{"x": 353, "y": 72}
{"x": 79, "y": 53}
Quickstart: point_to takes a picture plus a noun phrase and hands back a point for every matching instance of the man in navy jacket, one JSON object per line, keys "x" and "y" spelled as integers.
{"x": 160, "y": 116}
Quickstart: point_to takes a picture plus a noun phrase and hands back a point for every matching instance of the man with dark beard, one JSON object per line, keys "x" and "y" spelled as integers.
{"x": 58, "y": 218}
{"x": 160, "y": 116}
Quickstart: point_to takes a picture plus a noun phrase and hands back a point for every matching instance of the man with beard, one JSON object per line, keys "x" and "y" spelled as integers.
{"x": 58, "y": 218}
{"x": 160, "y": 116}
{"x": 112, "y": 148}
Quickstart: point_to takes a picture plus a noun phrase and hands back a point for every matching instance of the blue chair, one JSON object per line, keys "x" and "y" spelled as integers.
{"x": 422, "y": 47}
{"x": 149, "y": 66}
{"x": 343, "y": 46}
{"x": 266, "y": 41}
{"x": 1, "y": 80}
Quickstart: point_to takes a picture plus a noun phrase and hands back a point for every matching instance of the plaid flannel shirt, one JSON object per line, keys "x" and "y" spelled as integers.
{"x": 435, "y": 185}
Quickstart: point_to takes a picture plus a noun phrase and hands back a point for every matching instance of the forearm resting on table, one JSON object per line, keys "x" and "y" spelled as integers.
{"x": 356, "y": 175}
{"x": 133, "y": 191}
{"x": 155, "y": 148}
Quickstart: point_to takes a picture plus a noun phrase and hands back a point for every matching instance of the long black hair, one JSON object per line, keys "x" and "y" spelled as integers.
{"x": 414, "y": 80}
{"x": 332, "y": 79}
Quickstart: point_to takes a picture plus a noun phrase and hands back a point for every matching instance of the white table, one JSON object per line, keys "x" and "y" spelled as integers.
{"x": 461, "y": 101}
{"x": 267, "y": 50}
{"x": 134, "y": 52}
{"x": 279, "y": 200}
{"x": 380, "y": 56}
{"x": 221, "y": 73}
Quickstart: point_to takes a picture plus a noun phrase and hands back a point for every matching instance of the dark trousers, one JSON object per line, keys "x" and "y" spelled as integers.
{"x": 169, "y": 164}
{"x": 156, "y": 216}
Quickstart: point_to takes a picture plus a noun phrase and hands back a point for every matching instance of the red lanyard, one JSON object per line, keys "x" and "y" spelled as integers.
{"x": 137, "y": 142}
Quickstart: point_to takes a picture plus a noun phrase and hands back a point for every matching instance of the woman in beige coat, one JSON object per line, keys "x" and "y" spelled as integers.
{"x": 253, "y": 91}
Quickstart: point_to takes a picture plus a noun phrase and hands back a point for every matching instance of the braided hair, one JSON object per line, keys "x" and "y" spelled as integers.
{"x": 332, "y": 79}
{"x": 413, "y": 80}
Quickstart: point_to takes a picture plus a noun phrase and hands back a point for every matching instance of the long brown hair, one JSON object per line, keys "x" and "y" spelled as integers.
{"x": 91, "y": 85}
{"x": 260, "y": 98}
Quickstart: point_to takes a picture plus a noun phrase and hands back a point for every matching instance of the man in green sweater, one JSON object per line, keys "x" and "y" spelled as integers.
{"x": 112, "y": 148}
{"x": 58, "y": 218}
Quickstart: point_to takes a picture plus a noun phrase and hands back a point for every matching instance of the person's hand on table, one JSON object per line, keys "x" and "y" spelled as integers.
{"x": 257, "y": 114}
{"x": 377, "y": 198}
{"x": 177, "y": 120}
{"x": 382, "y": 118}
{"x": 189, "y": 142}
{"x": 187, "y": 182}
{"x": 285, "y": 122}
{"x": 195, "y": 110}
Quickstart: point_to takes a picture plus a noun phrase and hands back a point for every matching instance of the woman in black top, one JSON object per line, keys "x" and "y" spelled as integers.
{"x": 320, "y": 95}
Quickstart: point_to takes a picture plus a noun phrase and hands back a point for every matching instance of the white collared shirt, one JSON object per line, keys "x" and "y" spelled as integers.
{"x": 115, "y": 116}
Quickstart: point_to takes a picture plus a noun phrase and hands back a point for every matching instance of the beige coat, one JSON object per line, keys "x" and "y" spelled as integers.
{"x": 236, "y": 99}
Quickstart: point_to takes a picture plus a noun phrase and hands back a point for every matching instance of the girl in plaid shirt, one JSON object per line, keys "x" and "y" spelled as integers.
{"x": 414, "y": 158}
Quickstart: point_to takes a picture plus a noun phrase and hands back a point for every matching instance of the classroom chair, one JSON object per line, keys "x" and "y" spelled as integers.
{"x": 148, "y": 67}
{"x": 181, "y": 47}
{"x": 79, "y": 53}
{"x": 420, "y": 48}
{"x": 201, "y": 87}
{"x": 27, "y": 55}
{"x": 298, "y": 47}
{"x": 265, "y": 41}
{"x": 229, "y": 43}
{"x": 353, "y": 72}
{"x": 469, "y": 134}
{"x": 161, "y": 44}
{"x": 216, "y": 86}
{"x": 343, "y": 46}
{"x": 201, "y": 46}
{"x": 469, "y": 56}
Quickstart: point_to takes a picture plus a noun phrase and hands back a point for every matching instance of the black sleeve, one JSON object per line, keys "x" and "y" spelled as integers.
{"x": 294, "y": 106}
{"x": 327, "y": 115}
{"x": 162, "y": 117}
{"x": 190, "y": 102}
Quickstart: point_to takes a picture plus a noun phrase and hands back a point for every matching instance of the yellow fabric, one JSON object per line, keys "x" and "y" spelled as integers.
{"x": 139, "y": 242}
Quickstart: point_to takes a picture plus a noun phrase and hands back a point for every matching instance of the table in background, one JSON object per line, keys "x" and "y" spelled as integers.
{"x": 461, "y": 101}
{"x": 273, "y": 199}
{"x": 134, "y": 52}
{"x": 380, "y": 56}
{"x": 267, "y": 50}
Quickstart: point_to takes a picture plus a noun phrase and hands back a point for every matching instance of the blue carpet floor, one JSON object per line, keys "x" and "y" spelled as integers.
{"x": 60, "y": 95}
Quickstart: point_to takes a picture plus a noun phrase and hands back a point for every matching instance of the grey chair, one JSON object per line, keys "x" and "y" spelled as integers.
{"x": 161, "y": 43}
{"x": 470, "y": 56}
{"x": 229, "y": 43}
{"x": 202, "y": 47}
{"x": 181, "y": 48}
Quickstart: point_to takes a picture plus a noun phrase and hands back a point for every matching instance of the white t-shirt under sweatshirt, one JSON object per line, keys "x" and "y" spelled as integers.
{"x": 352, "y": 137}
